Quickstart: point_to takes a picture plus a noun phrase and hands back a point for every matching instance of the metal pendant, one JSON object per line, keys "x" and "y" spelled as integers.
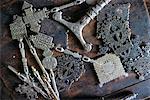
{"x": 49, "y": 62}
{"x": 42, "y": 41}
{"x": 114, "y": 29}
{"x": 68, "y": 70}
{"x": 108, "y": 68}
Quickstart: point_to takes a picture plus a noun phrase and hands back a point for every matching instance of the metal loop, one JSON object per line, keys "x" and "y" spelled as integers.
{"x": 86, "y": 59}
{"x": 59, "y": 49}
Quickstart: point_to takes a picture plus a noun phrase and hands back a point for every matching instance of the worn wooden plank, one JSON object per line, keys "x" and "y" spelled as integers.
{"x": 142, "y": 89}
{"x": 87, "y": 86}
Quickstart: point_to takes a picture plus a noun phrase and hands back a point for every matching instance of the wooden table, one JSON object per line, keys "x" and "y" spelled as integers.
{"x": 87, "y": 86}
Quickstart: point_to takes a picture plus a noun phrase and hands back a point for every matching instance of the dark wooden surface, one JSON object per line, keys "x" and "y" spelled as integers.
{"x": 87, "y": 86}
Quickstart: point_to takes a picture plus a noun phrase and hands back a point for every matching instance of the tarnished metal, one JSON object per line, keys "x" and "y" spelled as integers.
{"x": 42, "y": 41}
{"x": 34, "y": 53}
{"x": 114, "y": 29}
{"x": 115, "y": 32}
{"x": 18, "y": 31}
{"x": 18, "y": 28}
{"x": 77, "y": 27}
{"x": 32, "y": 18}
{"x": 50, "y": 63}
{"x": 50, "y": 93}
{"x": 108, "y": 67}
{"x": 68, "y": 52}
{"x": 68, "y": 70}
{"x": 138, "y": 59}
{"x": 28, "y": 90}
{"x": 138, "y": 24}
{"x": 46, "y": 77}
{"x": 28, "y": 86}
{"x": 76, "y": 2}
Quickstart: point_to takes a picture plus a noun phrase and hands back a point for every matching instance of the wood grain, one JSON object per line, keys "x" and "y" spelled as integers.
{"x": 87, "y": 86}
